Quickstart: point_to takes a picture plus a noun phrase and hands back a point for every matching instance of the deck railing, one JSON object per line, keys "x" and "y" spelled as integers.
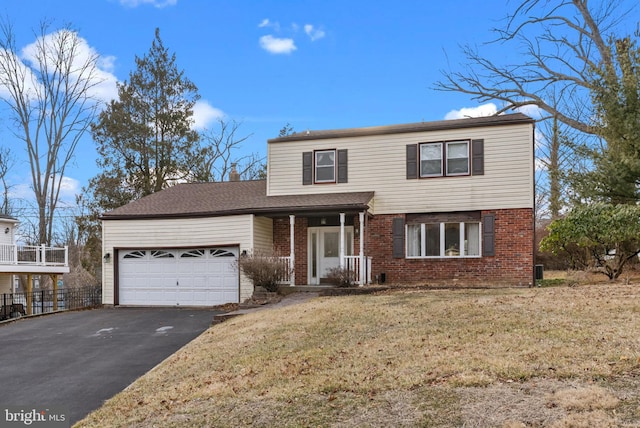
{"x": 43, "y": 301}
{"x": 36, "y": 255}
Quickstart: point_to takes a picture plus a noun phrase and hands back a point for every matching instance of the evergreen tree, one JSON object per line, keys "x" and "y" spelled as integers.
{"x": 145, "y": 138}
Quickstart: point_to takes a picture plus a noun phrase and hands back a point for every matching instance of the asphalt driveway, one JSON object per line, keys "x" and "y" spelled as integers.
{"x": 74, "y": 361}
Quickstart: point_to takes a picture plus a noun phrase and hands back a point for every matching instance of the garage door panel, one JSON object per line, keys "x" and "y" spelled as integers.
{"x": 200, "y": 277}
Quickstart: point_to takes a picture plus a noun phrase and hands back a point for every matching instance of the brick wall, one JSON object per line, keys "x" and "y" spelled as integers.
{"x": 511, "y": 265}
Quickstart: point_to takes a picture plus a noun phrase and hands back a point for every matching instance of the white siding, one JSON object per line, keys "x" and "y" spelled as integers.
{"x": 263, "y": 234}
{"x": 6, "y": 238}
{"x": 378, "y": 163}
{"x": 174, "y": 233}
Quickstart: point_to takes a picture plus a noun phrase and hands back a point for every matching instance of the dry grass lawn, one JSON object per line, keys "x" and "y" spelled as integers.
{"x": 543, "y": 357}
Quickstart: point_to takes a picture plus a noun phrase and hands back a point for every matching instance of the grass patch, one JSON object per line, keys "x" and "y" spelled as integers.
{"x": 505, "y": 357}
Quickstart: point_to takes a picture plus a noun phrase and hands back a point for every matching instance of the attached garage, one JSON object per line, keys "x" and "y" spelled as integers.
{"x": 178, "y": 277}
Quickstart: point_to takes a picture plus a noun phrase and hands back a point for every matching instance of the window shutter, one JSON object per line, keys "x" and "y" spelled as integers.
{"x": 488, "y": 235}
{"x": 398, "y": 238}
{"x": 307, "y": 168}
{"x": 412, "y": 161}
{"x": 342, "y": 166}
{"x": 477, "y": 157}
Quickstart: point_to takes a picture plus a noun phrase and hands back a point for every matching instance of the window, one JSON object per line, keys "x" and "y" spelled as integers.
{"x": 325, "y": 166}
{"x": 458, "y": 158}
{"x": 445, "y": 239}
{"x": 431, "y": 160}
{"x": 444, "y": 158}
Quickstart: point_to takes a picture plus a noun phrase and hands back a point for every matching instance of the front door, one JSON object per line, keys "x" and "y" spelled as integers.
{"x": 324, "y": 251}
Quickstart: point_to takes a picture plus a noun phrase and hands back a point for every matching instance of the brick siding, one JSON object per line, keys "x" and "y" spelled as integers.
{"x": 511, "y": 265}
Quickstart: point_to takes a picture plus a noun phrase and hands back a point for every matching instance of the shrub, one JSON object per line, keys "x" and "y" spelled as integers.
{"x": 264, "y": 269}
{"x": 341, "y": 277}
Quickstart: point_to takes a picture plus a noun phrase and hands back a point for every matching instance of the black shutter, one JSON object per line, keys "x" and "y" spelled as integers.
{"x": 488, "y": 235}
{"x": 412, "y": 161}
{"x": 307, "y": 168}
{"x": 342, "y": 166}
{"x": 398, "y": 238}
{"x": 477, "y": 157}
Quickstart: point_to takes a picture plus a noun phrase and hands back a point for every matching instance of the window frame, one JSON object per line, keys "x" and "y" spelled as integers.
{"x": 444, "y": 158}
{"x": 334, "y": 152}
{"x": 462, "y": 249}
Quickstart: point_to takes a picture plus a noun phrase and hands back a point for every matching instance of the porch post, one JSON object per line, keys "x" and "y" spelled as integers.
{"x": 363, "y": 279}
{"x": 292, "y": 250}
{"x": 341, "y": 240}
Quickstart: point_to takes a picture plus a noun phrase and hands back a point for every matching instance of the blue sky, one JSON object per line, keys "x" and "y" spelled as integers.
{"x": 321, "y": 64}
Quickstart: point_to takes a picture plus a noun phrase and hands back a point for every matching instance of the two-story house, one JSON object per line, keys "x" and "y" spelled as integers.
{"x": 446, "y": 202}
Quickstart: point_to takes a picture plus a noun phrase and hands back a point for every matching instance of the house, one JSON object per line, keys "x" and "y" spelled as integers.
{"x": 28, "y": 260}
{"x": 433, "y": 202}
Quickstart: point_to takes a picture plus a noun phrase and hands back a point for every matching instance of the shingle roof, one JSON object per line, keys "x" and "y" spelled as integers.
{"x": 474, "y": 122}
{"x": 233, "y": 197}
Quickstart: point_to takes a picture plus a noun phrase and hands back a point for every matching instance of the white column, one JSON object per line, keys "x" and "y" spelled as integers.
{"x": 362, "y": 260}
{"x": 342, "y": 240}
{"x": 292, "y": 249}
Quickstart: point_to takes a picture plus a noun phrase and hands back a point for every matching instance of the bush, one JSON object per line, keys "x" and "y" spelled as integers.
{"x": 264, "y": 269}
{"x": 341, "y": 277}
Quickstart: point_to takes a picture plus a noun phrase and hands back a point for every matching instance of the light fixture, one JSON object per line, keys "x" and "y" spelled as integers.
{"x": 107, "y": 257}
{"x": 323, "y": 220}
{"x": 7, "y": 230}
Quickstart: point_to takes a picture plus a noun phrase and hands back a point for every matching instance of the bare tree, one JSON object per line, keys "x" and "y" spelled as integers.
{"x": 6, "y": 163}
{"x": 217, "y": 155}
{"x": 48, "y": 87}
{"x": 560, "y": 44}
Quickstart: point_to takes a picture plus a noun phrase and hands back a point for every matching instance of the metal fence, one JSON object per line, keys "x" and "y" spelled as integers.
{"x": 44, "y": 301}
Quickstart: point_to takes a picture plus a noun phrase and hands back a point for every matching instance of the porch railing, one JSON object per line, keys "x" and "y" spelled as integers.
{"x": 286, "y": 270}
{"x": 354, "y": 263}
{"x": 36, "y": 255}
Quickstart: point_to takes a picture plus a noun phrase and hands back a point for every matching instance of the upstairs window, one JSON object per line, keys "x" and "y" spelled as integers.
{"x": 325, "y": 166}
{"x": 444, "y": 158}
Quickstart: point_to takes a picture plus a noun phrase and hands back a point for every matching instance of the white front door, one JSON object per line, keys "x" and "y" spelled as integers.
{"x": 324, "y": 250}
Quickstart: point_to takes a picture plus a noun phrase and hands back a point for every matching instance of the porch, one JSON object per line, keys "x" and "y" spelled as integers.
{"x": 329, "y": 241}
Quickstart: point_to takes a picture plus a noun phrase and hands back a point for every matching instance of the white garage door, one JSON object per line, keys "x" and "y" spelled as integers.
{"x": 184, "y": 277}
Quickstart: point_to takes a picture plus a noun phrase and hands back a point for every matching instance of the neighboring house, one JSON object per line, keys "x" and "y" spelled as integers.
{"x": 447, "y": 202}
{"x": 26, "y": 260}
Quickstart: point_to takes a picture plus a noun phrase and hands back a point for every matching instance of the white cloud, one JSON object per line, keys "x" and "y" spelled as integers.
{"x": 69, "y": 188}
{"x": 156, "y": 3}
{"x": 531, "y": 111}
{"x": 204, "y": 113}
{"x": 103, "y": 80}
{"x": 488, "y": 109}
{"x": 313, "y": 33}
{"x": 277, "y": 45}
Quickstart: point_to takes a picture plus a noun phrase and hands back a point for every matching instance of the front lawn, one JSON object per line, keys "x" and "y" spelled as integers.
{"x": 558, "y": 356}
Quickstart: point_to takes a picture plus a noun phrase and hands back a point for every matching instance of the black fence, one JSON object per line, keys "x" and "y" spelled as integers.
{"x": 43, "y": 301}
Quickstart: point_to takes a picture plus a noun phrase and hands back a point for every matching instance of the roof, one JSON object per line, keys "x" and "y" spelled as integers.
{"x": 475, "y": 122}
{"x": 232, "y": 198}
{"x": 8, "y": 218}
